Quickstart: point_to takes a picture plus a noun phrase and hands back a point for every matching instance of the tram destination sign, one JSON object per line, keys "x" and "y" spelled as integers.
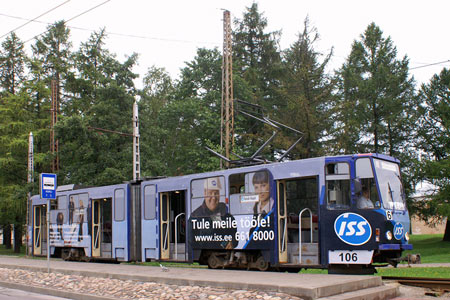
{"x": 47, "y": 186}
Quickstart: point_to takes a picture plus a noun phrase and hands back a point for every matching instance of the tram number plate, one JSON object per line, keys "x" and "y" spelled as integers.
{"x": 350, "y": 257}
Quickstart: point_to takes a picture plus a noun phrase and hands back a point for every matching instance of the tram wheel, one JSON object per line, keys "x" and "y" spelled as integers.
{"x": 213, "y": 262}
{"x": 261, "y": 264}
{"x": 65, "y": 254}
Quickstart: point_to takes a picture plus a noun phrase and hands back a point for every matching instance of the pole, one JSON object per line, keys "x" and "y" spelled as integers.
{"x": 227, "y": 114}
{"x": 30, "y": 180}
{"x": 48, "y": 236}
{"x": 136, "y": 152}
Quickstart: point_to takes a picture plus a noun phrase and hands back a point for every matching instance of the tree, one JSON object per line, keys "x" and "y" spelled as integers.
{"x": 12, "y": 64}
{"x": 256, "y": 57}
{"x": 53, "y": 51}
{"x": 257, "y": 72}
{"x": 308, "y": 91}
{"x": 434, "y": 136}
{"x": 158, "y": 91}
{"x": 189, "y": 118}
{"x": 102, "y": 92}
{"x": 375, "y": 102}
{"x": 14, "y": 128}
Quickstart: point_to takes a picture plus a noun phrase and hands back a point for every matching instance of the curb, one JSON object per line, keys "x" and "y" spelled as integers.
{"x": 294, "y": 291}
{"x": 53, "y": 292}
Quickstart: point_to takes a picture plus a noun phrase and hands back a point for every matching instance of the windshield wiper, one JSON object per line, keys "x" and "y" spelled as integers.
{"x": 391, "y": 194}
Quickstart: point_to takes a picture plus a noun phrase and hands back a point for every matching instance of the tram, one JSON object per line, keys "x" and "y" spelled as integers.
{"x": 341, "y": 213}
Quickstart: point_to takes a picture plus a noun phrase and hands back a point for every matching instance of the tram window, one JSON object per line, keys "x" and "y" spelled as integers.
{"x": 302, "y": 193}
{"x": 149, "y": 202}
{"x": 119, "y": 205}
{"x": 338, "y": 169}
{"x": 81, "y": 208}
{"x": 62, "y": 202}
{"x": 252, "y": 186}
{"x": 368, "y": 196}
{"x": 208, "y": 196}
{"x": 338, "y": 185}
{"x": 37, "y": 216}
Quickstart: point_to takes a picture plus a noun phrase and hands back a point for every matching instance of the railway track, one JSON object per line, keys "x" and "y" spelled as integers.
{"x": 432, "y": 283}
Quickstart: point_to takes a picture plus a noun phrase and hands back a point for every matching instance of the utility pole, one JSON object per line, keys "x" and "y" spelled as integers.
{"x": 30, "y": 179}
{"x": 54, "y": 119}
{"x": 227, "y": 114}
{"x": 136, "y": 152}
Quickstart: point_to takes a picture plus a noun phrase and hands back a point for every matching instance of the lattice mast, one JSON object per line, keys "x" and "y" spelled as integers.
{"x": 30, "y": 179}
{"x": 227, "y": 115}
{"x": 54, "y": 119}
{"x": 136, "y": 151}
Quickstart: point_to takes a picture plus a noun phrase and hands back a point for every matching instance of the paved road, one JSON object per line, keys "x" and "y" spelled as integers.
{"x": 12, "y": 294}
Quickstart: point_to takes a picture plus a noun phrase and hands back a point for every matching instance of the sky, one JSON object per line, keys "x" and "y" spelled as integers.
{"x": 168, "y": 33}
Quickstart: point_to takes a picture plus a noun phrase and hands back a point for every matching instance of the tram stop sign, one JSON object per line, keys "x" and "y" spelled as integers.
{"x": 48, "y": 186}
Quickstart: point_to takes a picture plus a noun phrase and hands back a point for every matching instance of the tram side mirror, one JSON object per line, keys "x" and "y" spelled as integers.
{"x": 357, "y": 186}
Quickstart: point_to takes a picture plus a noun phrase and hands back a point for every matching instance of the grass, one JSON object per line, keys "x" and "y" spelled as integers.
{"x": 4, "y": 251}
{"x": 431, "y": 248}
{"x": 434, "y": 272}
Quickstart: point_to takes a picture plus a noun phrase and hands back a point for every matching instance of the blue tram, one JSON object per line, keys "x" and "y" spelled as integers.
{"x": 344, "y": 213}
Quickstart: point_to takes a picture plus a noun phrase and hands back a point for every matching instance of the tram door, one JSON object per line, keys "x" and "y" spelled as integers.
{"x": 40, "y": 232}
{"x": 96, "y": 227}
{"x": 101, "y": 227}
{"x": 298, "y": 220}
{"x": 165, "y": 226}
{"x": 173, "y": 225}
{"x": 282, "y": 223}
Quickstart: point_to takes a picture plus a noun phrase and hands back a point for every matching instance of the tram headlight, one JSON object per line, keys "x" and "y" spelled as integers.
{"x": 389, "y": 235}
{"x": 407, "y": 236}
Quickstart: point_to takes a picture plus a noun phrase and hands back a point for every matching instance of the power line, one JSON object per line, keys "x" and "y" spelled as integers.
{"x": 86, "y": 11}
{"x": 119, "y": 34}
{"x": 432, "y": 64}
{"x": 34, "y": 19}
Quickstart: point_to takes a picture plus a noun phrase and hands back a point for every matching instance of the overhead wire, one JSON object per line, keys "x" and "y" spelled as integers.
{"x": 119, "y": 34}
{"x": 432, "y": 64}
{"x": 34, "y": 19}
{"x": 84, "y": 12}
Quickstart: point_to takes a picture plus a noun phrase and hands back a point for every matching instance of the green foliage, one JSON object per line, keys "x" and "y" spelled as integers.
{"x": 91, "y": 154}
{"x": 5, "y": 251}
{"x": 307, "y": 91}
{"x": 12, "y": 64}
{"x": 368, "y": 106}
{"x": 257, "y": 72}
{"x": 375, "y": 111}
{"x": 434, "y": 140}
{"x": 431, "y": 247}
{"x": 437, "y": 272}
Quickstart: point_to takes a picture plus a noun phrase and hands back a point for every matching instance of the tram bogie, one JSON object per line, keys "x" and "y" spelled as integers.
{"x": 342, "y": 213}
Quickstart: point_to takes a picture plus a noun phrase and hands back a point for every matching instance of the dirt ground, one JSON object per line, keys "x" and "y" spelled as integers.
{"x": 413, "y": 293}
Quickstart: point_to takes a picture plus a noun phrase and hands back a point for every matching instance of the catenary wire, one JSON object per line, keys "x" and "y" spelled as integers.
{"x": 84, "y": 12}
{"x": 118, "y": 34}
{"x": 432, "y": 64}
{"x": 32, "y": 20}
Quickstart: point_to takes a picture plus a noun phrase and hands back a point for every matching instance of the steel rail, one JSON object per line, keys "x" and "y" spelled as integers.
{"x": 433, "y": 283}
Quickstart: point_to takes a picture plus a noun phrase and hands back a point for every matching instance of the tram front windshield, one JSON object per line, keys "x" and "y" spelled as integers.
{"x": 391, "y": 189}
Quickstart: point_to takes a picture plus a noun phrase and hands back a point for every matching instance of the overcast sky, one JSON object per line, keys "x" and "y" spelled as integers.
{"x": 167, "y": 33}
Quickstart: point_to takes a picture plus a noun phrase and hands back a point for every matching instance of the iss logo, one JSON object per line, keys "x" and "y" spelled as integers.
{"x": 352, "y": 229}
{"x": 398, "y": 231}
